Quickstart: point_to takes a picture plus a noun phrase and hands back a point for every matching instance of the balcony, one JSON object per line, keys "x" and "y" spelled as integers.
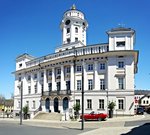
{"x": 120, "y": 71}
{"x": 55, "y": 93}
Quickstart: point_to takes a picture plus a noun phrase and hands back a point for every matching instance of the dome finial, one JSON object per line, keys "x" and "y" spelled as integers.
{"x": 73, "y": 7}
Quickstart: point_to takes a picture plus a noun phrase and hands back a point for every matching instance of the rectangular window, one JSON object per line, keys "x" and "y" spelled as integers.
{"x": 35, "y": 88}
{"x": 90, "y": 84}
{"x": 79, "y": 68}
{"x": 121, "y": 83}
{"x": 50, "y": 86}
{"x": 35, "y": 76}
{"x": 89, "y": 104}
{"x": 120, "y": 64}
{"x": 58, "y": 71}
{"x": 42, "y": 89}
{"x": 79, "y": 85}
{"x": 29, "y": 77}
{"x": 58, "y": 86}
{"x": 102, "y": 66}
{"x": 50, "y": 73}
{"x": 120, "y": 104}
{"x": 76, "y": 39}
{"x": 68, "y": 85}
{"x": 68, "y": 40}
{"x": 68, "y": 30}
{"x": 33, "y": 107}
{"x": 78, "y": 101}
{"x": 120, "y": 43}
{"x": 102, "y": 84}
{"x": 101, "y": 103}
{"x": 42, "y": 74}
{"x": 19, "y": 79}
{"x": 90, "y": 67}
{"x": 29, "y": 89}
{"x": 67, "y": 69}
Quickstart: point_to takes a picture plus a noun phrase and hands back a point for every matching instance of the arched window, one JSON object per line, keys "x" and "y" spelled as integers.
{"x": 76, "y": 30}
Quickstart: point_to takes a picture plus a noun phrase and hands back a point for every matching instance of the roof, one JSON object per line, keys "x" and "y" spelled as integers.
{"x": 25, "y": 55}
{"x": 142, "y": 92}
{"x": 120, "y": 29}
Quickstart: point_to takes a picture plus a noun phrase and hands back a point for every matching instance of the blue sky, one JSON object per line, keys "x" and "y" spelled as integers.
{"x": 32, "y": 26}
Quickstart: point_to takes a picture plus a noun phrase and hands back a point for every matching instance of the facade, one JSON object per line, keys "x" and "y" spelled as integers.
{"x": 53, "y": 83}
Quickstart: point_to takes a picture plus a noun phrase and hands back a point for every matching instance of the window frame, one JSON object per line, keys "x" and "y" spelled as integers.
{"x": 89, "y": 103}
{"x": 101, "y": 104}
{"x": 90, "y": 84}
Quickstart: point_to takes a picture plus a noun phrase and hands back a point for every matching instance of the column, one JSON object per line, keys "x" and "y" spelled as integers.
{"x": 38, "y": 82}
{"x": 63, "y": 86}
{"x": 52, "y": 105}
{"x": 45, "y": 81}
{"x": 72, "y": 77}
{"x": 96, "y": 80}
{"x": 32, "y": 84}
{"x": 60, "y": 105}
{"x": 85, "y": 76}
{"x": 53, "y": 80}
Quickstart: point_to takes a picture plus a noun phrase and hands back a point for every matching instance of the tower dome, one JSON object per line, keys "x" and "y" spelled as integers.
{"x": 73, "y": 26}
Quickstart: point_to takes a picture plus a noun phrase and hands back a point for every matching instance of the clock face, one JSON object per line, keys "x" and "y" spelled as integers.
{"x": 67, "y": 22}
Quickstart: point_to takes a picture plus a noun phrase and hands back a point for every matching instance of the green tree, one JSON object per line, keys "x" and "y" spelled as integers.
{"x": 76, "y": 108}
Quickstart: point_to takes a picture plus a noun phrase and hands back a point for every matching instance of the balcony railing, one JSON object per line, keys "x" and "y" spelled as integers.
{"x": 57, "y": 92}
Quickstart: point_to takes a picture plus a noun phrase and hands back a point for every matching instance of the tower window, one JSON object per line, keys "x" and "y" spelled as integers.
{"x": 120, "y": 43}
{"x": 76, "y": 39}
{"x": 68, "y": 30}
{"x": 76, "y": 30}
{"x": 68, "y": 40}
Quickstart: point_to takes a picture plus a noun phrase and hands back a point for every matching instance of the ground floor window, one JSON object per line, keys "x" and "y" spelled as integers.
{"x": 120, "y": 104}
{"x": 101, "y": 103}
{"x": 89, "y": 104}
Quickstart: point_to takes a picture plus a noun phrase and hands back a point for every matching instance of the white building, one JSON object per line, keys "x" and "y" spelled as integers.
{"x": 53, "y": 82}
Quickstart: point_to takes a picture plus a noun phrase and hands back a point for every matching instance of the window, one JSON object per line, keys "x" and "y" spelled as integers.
{"x": 67, "y": 69}
{"x": 42, "y": 89}
{"x": 68, "y": 85}
{"x": 76, "y": 30}
{"x": 29, "y": 77}
{"x": 147, "y": 102}
{"x": 120, "y": 43}
{"x": 120, "y": 104}
{"x": 33, "y": 105}
{"x": 120, "y": 64}
{"x": 76, "y": 39}
{"x": 90, "y": 67}
{"x": 50, "y": 72}
{"x": 29, "y": 89}
{"x": 58, "y": 71}
{"x": 79, "y": 85}
{"x": 20, "y": 65}
{"x": 101, "y": 103}
{"x": 58, "y": 86}
{"x": 89, "y": 104}
{"x": 121, "y": 83}
{"x": 42, "y": 74}
{"x": 18, "y": 104}
{"x": 79, "y": 68}
{"x": 68, "y": 40}
{"x": 19, "y": 79}
{"x": 35, "y": 76}
{"x": 143, "y": 101}
{"x": 68, "y": 30}
{"x": 35, "y": 88}
{"x": 90, "y": 84}
{"x": 78, "y": 101}
{"x": 102, "y": 84}
{"x": 50, "y": 86}
{"x": 27, "y": 102}
{"x": 102, "y": 66}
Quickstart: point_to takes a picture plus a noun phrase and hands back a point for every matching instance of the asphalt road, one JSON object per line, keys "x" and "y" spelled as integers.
{"x": 16, "y": 129}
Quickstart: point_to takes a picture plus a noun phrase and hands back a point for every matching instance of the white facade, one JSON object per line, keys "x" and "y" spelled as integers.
{"x": 53, "y": 82}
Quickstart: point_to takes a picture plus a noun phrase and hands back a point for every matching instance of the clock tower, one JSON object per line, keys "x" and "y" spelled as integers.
{"x": 73, "y": 26}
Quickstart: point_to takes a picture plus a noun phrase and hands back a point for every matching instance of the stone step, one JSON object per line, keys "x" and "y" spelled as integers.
{"x": 48, "y": 116}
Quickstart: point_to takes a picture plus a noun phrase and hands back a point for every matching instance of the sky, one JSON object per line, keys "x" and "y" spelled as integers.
{"x": 33, "y": 27}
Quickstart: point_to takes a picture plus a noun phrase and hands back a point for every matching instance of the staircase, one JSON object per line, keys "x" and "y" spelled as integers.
{"x": 48, "y": 116}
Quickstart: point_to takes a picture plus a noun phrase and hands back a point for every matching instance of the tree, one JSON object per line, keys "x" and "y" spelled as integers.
{"x": 2, "y": 99}
{"x": 111, "y": 107}
{"x": 25, "y": 111}
{"x": 76, "y": 108}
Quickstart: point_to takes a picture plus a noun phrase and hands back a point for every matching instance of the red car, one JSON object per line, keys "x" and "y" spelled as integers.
{"x": 94, "y": 116}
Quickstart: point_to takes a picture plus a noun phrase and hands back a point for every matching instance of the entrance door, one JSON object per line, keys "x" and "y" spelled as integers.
{"x": 65, "y": 103}
{"x": 47, "y": 105}
{"x": 56, "y": 105}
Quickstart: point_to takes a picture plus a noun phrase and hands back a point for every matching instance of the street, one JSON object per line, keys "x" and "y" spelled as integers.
{"x": 114, "y": 126}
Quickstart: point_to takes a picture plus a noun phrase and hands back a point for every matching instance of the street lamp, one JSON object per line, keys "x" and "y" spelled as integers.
{"x": 21, "y": 96}
{"x": 82, "y": 127}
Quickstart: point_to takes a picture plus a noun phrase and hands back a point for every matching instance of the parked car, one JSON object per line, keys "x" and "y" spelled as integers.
{"x": 94, "y": 116}
{"x": 140, "y": 110}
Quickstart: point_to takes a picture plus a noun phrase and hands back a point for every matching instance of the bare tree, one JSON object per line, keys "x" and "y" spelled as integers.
{"x": 2, "y": 99}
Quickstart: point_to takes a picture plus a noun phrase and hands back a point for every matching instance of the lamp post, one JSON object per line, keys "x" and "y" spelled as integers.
{"x": 82, "y": 127}
{"x": 21, "y": 96}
